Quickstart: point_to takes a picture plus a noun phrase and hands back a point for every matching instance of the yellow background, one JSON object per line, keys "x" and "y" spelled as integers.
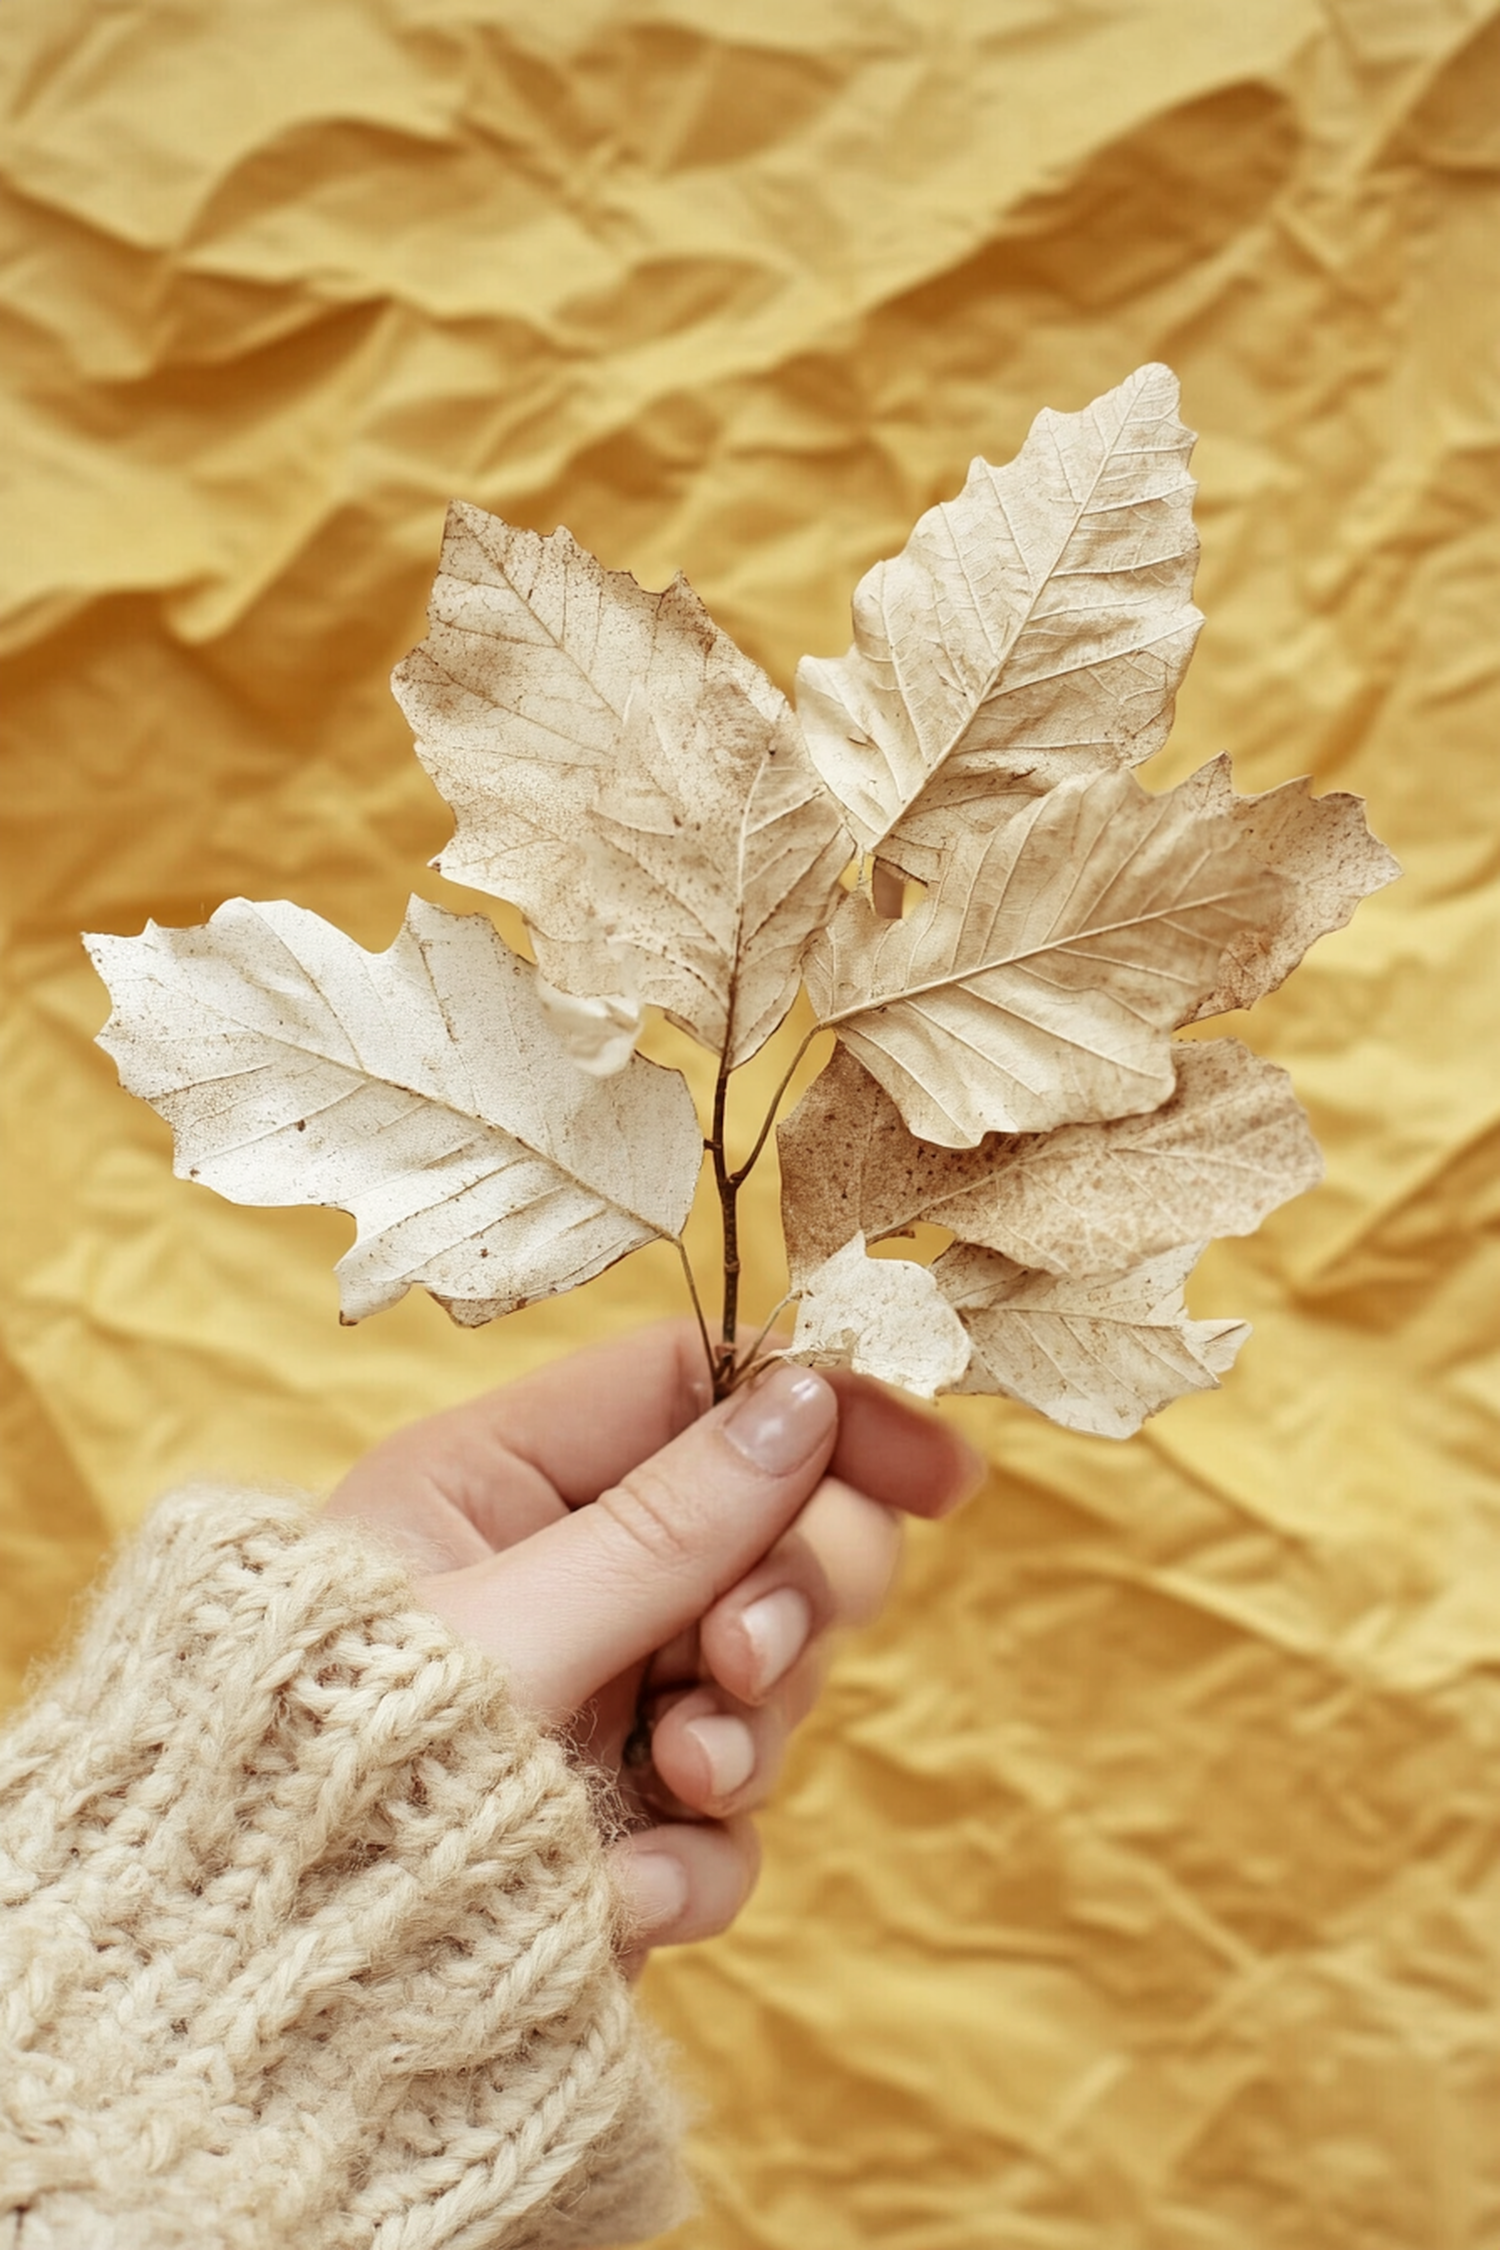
{"x": 1139, "y": 1888}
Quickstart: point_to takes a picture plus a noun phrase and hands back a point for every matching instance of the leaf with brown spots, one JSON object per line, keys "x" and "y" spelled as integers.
{"x": 1039, "y": 980}
{"x": 1327, "y": 861}
{"x": 714, "y": 854}
{"x": 519, "y": 694}
{"x": 1228, "y": 1145}
{"x": 624, "y": 775}
{"x": 1097, "y": 1356}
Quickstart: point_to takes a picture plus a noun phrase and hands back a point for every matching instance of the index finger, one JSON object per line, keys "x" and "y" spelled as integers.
{"x": 588, "y": 1420}
{"x": 570, "y": 1430}
{"x": 896, "y": 1452}
{"x": 581, "y": 1424}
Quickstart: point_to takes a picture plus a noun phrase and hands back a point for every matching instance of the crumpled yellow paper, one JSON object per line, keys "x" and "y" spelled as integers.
{"x": 1139, "y": 1885}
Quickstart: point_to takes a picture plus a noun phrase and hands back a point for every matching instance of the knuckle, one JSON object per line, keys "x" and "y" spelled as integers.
{"x": 652, "y": 1515}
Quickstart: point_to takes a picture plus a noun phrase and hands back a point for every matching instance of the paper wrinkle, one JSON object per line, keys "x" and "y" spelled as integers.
{"x": 1136, "y": 1885}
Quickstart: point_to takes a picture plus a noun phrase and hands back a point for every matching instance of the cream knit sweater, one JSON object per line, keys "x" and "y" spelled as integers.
{"x": 305, "y": 1933}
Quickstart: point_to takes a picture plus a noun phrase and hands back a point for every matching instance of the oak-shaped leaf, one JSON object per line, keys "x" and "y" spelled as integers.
{"x": 713, "y": 854}
{"x": 1038, "y": 981}
{"x": 1095, "y": 1356}
{"x": 518, "y": 699}
{"x": 881, "y": 1316}
{"x": 1326, "y": 858}
{"x": 421, "y": 1089}
{"x": 1035, "y": 627}
{"x": 1227, "y": 1146}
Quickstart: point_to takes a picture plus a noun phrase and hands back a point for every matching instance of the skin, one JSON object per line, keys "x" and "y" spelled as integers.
{"x": 610, "y": 1543}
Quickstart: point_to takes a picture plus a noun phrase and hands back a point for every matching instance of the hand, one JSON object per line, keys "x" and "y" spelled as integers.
{"x": 617, "y": 1549}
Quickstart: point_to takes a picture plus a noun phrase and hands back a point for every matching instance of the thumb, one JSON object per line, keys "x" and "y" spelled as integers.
{"x": 587, "y": 1597}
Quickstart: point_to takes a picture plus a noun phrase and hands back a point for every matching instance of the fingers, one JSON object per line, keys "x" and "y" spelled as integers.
{"x": 713, "y": 1756}
{"x": 719, "y": 1747}
{"x": 833, "y": 1568}
{"x": 486, "y": 1474}
{"x": 894, "y": 1452}
{"x": 584, "y": 1422}
{"x": 857, "y": 1544}
{"x": 490, "y": 1472}
{"x": 588, "y": 1596}
{"x": 677, "y": 1884}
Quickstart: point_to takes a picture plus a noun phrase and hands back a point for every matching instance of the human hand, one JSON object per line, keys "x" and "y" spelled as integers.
{"x": 618, "y": 1549}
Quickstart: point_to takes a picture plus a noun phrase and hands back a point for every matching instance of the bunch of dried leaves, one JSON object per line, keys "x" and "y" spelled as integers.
{"x": 944, "y": 844}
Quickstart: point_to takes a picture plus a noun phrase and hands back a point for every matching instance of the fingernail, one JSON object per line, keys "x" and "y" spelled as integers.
{"x": 776, "y": 1627}
{"x": 782, "y": 1419}
{"x": 653, "y": 1888}
{"x": 729, "y": 1747}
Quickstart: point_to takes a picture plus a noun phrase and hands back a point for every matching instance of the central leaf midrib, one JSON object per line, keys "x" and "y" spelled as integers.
{"x": 1008, "y": 1162}
{"x": 994, "y": 678}
{"x": 1015, "y": 960}
{"x": 360, "y": 1069}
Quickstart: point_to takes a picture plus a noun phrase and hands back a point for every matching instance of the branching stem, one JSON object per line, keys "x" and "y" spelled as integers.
{"x": 764, "y": 1134}
{"x": 725, "y": 1366}
{"x": 752, "y": 1362}
{"x": 728, "y": 1185}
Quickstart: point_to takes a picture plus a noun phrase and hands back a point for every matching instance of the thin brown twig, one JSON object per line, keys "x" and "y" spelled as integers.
{"x": 687, "y": 1268}
{"x": 729, "y": 1188}
{"x": 752, "y": 1362}
{"x": 764, "y": 1134}
{"x": 726, "y": 1364}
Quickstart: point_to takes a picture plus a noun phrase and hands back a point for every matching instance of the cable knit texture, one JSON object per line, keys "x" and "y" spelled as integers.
{"x": 306, "y": 1932}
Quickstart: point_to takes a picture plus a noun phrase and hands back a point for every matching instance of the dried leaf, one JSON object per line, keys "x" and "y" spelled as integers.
{"x": 881, "y": 1316}
{"x": 1327, "y": 860}
{"x": 1229, "y": 1145}
{"x": 1035, "y": 627}
{"x": 518, "y": 698}
{"x": 715, "y": 854}
{"x": 421, "y": 1089}
{"x": 1095, "y": 1356}
{"x": 1037, "y": 982}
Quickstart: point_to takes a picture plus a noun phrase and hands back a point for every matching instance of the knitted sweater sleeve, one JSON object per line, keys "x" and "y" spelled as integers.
{"x": 305, "y": 1932}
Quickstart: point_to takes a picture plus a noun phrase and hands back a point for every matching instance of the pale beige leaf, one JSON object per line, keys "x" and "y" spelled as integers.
{"x": 518, "y": 698}
{"x": 421, "y": 1089}
{"x": 881, "y": 1316}
{"x": 1035, "y": 627}
{"x": 715, "y": 854}
{"x": 1226, "y": 1147}
{"x": 1038, "y": 981}
{"x": 1095, "y": 1356}
{"x": 1327, "y": 860}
